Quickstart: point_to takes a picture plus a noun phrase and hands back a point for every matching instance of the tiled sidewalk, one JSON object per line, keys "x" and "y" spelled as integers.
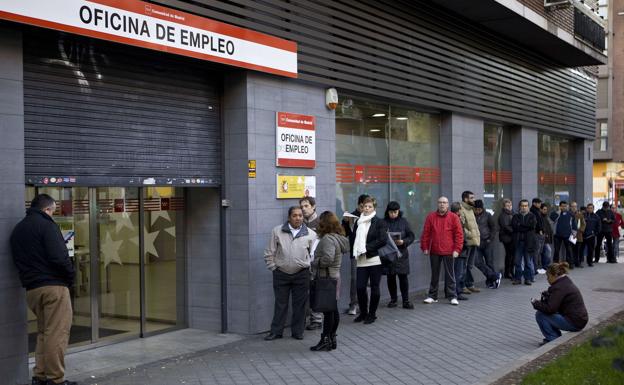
{"x": 432, "y": 344}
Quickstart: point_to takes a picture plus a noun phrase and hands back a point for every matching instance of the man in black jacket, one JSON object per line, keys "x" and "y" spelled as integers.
{"x": 536, "y": 210}
{"x": 523, "y": 224}
{"x": 45, "y": 270}
{"x": 606, "y": 231}
{"x": 592, "y": 229}
{"x": 505, "y": 235}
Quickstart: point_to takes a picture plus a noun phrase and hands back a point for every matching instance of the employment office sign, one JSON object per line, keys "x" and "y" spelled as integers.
{"x": 163, "y": 29}
{"x": 296, "y": 140}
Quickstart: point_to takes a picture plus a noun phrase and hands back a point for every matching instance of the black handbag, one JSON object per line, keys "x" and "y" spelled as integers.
{"x": 390, "y": 252}
{"x": 323, "y": 294}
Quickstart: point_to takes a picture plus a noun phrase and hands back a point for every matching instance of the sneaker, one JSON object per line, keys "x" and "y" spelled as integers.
{"x": 541, "y": 271}
{"x": 462, "y": 297}
{"x": 430, "y": 300}
{"x": 498, "y": 281}
{"x": 353, "y": 310}
{"x": 393, "y": 303}
{"x": 454, "y": 302}
{"x": 474, "y": 289}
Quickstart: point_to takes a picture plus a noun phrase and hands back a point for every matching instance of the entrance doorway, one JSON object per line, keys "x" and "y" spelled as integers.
{"x": 129, "y": 256}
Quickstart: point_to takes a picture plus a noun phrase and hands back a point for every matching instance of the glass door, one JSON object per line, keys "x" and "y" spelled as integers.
{"x": 119, "y": 265}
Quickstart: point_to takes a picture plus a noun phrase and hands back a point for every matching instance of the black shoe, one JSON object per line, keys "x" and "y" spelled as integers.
{"x": 407, "y": 305}
{"x": 38, "y": 381}
{"x": 271, "y": 337}
{"x": 515, "y": 282}
{"x": 461, "y": 297}
{"x": 590, "y": 265}
{"x": 324, "y": 344}
{"x": 528, "y": 283}
{"x": 360, "y": 318}
{"x": 580, "y": 266}
{"x": 66, "y": 382}
{"x": 392, "y": 303}
{"x": 544, "y": 342}
{"x": 370, "y": 319}
{"x": 297, "y": 336}
{"x": 334, "y": 344}
{"x": 314, "y": 326}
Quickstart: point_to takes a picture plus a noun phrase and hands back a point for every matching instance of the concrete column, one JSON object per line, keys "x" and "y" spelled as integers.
{"x": 584, "y": 151}
{"x": 523, "y": 163}
{"x": 13, "y": 333}
{"x": 251, "y": 101}
{"x": 461, "y": 156}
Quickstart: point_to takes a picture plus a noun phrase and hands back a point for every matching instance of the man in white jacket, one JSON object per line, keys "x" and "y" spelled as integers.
{"x": 288, "y": 256}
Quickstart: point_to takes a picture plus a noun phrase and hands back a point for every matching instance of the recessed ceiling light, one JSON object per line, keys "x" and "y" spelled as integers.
{"x": 374, "y": 130}
{"x": 378, "y": 115}
{"x": 401, "y": 118}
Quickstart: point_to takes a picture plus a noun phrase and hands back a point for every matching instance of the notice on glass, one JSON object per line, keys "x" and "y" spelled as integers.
{"x": 295, "y": 187}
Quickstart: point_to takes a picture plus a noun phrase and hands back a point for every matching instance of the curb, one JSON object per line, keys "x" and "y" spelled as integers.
{"x": 520, "y": 362}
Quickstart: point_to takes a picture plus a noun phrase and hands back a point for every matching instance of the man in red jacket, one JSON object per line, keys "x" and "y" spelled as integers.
{"x": 442, "y": 240}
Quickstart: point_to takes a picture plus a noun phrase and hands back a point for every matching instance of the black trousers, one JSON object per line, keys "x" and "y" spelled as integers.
{"x": 331, "y": 320}
{"x": 577, "y": 250}
{"x": 509, "y": 259}
{"x": 609, "y": 241}
{"x": 449, "y": 275}
{"x": 403, "y": 285}
{"x": 569, "y": 257}
{"x": 365, "y": 275}
{"x": 285, "y": 285}
{"x": 590, "y": 244}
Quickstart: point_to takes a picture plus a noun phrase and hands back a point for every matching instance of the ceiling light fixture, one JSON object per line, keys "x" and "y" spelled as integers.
{"x": 378, "y": 115}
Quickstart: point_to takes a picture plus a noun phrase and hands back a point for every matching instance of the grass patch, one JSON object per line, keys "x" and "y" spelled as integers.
{"x": 586, "y": 364}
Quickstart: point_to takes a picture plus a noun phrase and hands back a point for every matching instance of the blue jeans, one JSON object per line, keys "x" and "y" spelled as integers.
{"x": 546, "y": 256}
{"x": 459, "y": 265}
{"x": 551, "y": 325}
{"x": 522, "y": 255}
{"x": 537, "y": 262}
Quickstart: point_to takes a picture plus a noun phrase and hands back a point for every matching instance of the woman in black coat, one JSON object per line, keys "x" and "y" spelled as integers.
{"x": 370, "y": 236}
{"x": 403, "y": 236}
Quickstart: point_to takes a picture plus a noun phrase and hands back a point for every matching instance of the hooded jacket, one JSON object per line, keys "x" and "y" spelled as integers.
{"x": 469, "y": 223}
{"x": 289, "y": 255}
{"x": 328, "y": 255}
{"x": 39, "y": 252}
{"x": 487, "y": 227}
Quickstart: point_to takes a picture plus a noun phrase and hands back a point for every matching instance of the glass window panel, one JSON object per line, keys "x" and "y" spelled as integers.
{"x": 496, "y": 165}
{"x": 389, "y": 152}
{"x": 556, "y": 169}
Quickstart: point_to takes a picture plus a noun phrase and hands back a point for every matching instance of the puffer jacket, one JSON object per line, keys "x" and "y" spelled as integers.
{"x": 442, "y": 234}
{"x": 289, "y": 255}
{"x": 328, "y": 255}
{"x": 472, "y": 237}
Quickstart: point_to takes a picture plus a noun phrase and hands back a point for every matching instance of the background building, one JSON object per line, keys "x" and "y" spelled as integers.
{"x": 164, "y": 160}
{"x": 609, "y": 144}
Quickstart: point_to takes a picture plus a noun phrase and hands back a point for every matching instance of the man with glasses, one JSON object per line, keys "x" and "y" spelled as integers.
{"x": 46, "y": 271}
{"x": 442, "y": 240}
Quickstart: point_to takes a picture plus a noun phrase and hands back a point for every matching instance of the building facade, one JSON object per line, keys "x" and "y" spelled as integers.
{"x": 167, "y": 156}
{"x": 609, "y": 145}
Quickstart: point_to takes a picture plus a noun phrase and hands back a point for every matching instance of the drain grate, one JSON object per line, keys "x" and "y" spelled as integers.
{"x": 609, "y": 290}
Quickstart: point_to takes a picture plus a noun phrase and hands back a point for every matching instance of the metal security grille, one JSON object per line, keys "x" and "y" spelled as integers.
{"x": 98, "y": 113}
{"x": 416, "y": 52}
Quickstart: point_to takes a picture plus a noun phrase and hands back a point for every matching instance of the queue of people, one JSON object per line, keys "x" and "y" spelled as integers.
{"x": 458, "y": 236}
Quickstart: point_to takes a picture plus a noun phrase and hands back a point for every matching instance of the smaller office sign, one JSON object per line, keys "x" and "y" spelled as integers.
{"x": 295, "y": 187}
{"x": 296, "y": 140}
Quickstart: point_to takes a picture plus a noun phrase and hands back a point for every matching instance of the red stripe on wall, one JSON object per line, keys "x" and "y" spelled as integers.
{"x": 357, "y": 173}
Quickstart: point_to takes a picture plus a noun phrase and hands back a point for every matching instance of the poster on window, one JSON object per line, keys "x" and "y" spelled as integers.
{"x": 295, "y": 187}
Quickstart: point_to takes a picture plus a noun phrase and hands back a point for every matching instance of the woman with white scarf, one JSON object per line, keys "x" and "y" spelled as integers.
{"x": 371, "y": 234}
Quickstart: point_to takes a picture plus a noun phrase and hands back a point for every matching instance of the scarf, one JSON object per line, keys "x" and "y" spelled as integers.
{"x": 364, "y": 222}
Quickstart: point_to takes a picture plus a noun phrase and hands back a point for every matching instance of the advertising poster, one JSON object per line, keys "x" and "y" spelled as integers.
{"x": 295, "y": 187}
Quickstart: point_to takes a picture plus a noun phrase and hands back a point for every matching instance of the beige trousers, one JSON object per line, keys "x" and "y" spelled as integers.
{"x": 52, "y": 306}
